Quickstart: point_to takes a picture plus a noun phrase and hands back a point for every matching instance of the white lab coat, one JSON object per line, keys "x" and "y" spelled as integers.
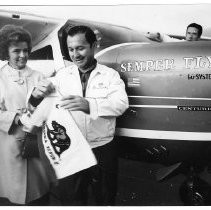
{"x": 21, "y": 180}
{"x": 107, "y": 100}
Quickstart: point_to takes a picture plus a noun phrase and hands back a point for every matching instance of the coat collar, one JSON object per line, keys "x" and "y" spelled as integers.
{"x": 11, "y": 72}
{"x": 98, "y": 69}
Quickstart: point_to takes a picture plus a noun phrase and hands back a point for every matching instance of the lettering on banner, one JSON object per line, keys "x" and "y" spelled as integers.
{"x": 55, "y": 141}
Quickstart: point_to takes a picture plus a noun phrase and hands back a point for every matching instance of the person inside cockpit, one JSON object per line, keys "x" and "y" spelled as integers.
{"x": 193, "y": 33}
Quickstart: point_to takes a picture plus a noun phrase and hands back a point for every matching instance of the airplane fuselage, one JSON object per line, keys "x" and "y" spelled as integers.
{"x": 169, "y": 92}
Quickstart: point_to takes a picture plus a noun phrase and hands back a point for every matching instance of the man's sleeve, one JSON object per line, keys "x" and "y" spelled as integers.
{"x": 167, "y": 38}
{"x": 114, "y": 104}
{"x": 40, "y": 114}
{"x": 31, "y": 102}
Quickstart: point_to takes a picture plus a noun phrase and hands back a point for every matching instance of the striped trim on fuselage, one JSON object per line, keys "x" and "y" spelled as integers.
{"x": 100, "y": 53}
{"x": 161, "y": 134}
{"x": 163, "y": 105}
{"x": 173, "y": 98}
{"x": 167, "y": 135}
{"x": 155, "y": 106}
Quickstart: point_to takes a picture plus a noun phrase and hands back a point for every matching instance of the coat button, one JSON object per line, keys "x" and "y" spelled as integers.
{"x": 20, "y": 81}
{"x": 24, "y": 110}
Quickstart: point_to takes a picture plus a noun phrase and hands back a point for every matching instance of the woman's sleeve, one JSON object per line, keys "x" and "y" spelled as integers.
{"x": 6, "y": 117}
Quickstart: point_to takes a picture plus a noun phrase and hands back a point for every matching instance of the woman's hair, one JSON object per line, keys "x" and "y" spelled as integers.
{"x": 13, "y": 34}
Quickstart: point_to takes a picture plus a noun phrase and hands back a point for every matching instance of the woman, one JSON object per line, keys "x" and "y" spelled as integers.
{"x": 22, "y": 181}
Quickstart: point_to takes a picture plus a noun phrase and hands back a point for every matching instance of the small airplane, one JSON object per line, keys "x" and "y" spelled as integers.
{"x": 168, "y": 85}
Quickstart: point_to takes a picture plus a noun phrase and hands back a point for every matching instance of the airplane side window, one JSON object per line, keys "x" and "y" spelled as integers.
{"x": 45, "y": 53}
{"x": 42, "y": 60}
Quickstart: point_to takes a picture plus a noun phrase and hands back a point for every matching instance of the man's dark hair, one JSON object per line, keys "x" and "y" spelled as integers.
{"x": 195, "y": 25}
{"x": 89, "y": 33}
{"x": 13, "y": 34}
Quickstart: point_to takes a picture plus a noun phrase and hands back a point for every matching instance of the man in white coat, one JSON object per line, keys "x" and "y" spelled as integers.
{"x": 95, "y": 95}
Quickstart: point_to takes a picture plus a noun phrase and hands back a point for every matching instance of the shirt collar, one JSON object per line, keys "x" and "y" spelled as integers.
{"x": 73, "y": 69}
{"x": 90, "y": 69}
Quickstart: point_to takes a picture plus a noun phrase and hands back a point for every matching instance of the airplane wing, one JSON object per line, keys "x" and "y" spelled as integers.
{"x": 39, "y": 27}
{"x": 52, "y": 32}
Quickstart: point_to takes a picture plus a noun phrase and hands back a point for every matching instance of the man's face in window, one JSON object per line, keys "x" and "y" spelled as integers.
{"x": 192, "y": 34}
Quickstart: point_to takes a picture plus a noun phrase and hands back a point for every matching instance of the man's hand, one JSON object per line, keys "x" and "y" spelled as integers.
{"x": 44, "y": 88}
{"x": 154, "y": 36}
{"x": 75, "y": 103}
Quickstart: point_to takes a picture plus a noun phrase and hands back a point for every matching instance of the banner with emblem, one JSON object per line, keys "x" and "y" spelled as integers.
{"x": 64, "y": 144}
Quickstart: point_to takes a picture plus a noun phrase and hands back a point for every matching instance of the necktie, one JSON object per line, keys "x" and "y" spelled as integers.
{"x": 83, "y": 82}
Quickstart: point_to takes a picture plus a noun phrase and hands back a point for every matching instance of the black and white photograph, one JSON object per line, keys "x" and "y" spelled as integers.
{"x": 105, "y": 104}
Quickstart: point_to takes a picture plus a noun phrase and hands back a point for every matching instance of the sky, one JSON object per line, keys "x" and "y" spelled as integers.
{"x": 162, "y": 16}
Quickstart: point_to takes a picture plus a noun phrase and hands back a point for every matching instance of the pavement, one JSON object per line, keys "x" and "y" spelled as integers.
{"x": 137, "y": 186}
